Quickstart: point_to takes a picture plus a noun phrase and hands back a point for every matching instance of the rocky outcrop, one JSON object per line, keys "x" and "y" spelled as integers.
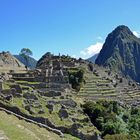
{"x": 121, "y": 52}
{"x": 9, "y": 62}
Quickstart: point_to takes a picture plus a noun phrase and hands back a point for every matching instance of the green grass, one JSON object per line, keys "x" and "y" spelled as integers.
{"x": 16, "y": 129}
{"x": 23, "y": 86}
{"x": 26, "y": 82}
{"x": 52, "y": 117}
{"x": 69, "y": 137}
{"x": 6, "y": 85}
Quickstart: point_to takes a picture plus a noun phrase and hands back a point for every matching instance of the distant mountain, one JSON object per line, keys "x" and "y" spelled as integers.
{"x": 31, "y": 63}
{"x": 9, "y": 62}
{"x": 121, "y": 52}
{"x": 93, "y": 58}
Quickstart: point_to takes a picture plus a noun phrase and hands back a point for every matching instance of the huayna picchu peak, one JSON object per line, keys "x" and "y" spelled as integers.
{"x": 121, "y": 53}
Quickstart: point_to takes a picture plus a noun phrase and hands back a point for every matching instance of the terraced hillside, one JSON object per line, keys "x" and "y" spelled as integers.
{"x": 97, "y": 88}
{"x": 131, "y": 96}
{"x": 58, "y": 110}
{"x": 103, "y": 84}
{"x": 45, "y": 96}
{"x": 61, "y": 109}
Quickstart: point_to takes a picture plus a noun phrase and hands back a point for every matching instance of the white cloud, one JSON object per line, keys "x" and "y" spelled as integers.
{"x": 136, "y": 33}
{"x": 91, "y": 50}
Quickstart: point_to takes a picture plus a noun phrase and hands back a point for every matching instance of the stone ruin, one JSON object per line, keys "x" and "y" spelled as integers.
{"x": 63, "y": 113}
{"x": 50, "y": 107}
{"x": 53, "y": 72}
{"x": 51, "y": 78}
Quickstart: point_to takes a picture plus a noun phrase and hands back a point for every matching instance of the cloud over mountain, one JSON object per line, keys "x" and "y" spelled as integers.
{"x": 91, "y": 50}
{"x": 136, "y": 33}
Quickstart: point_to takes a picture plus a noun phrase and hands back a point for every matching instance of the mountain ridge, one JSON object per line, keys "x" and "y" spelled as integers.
{"x": 121, "y": 52}
{"x": 9, "y": 62}
{"x": 93, "y": 58}
{"x": 31, "y": 62}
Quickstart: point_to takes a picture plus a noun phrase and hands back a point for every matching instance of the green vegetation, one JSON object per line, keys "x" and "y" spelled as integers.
{"x": 31, "y": 103}
{"x": 111, "y": 119}
{"x": 118, "y": 137}
{"x": 6, "y": 85}
{"x": 16, "y": 129}
{"x": 92, "y": 83}
{"x": 26, "y": 82}
{"x": 25, "y": 53}
{"x": 76, "y": 78}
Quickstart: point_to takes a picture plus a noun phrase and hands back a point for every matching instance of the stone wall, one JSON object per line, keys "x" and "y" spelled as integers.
{"x": 73, "y": 130}
{"x": 1, "y": 86}
{"x": 29, "y": 79}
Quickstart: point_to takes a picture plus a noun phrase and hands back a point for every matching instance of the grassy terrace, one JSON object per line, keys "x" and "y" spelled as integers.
{"x": 53, "y": 117}
{"x": 130, "y": 97}
{"x": 15, "y": 129}
{"x": 96, "y": 87}
{"x": 26, "y": 82}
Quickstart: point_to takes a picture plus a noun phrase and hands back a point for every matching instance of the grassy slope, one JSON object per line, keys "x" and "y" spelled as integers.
{"x": 16, "y": 129}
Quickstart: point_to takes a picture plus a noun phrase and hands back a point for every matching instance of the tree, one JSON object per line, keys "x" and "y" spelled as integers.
{"x": 76, "y": 78}
{"x": 25, "y": 53}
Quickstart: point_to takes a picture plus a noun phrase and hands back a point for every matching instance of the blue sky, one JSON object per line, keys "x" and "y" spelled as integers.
{"x": 74, "y": 27}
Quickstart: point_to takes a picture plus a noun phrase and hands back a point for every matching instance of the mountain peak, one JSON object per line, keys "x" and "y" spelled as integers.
{"x": 121, "y": 32}
{"x": 121, "y": 52}
{"x": 122, "y": 28}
